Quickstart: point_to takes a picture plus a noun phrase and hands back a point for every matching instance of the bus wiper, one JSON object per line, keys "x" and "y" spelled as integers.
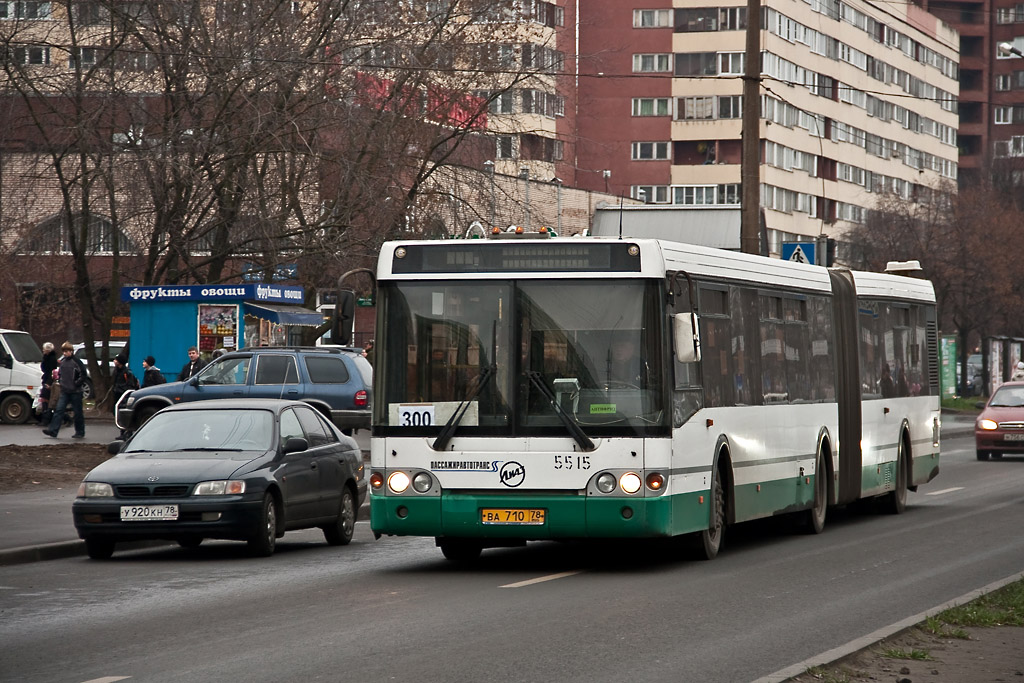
{"x": 441, "y": 442}
{"x": 574, "y": 428}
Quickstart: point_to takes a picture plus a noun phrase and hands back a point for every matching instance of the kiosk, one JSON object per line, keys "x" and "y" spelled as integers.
{"x": 167, "y": 319}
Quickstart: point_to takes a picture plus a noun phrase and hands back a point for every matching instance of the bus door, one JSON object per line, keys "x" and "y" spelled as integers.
{"x": 848, "y": 390}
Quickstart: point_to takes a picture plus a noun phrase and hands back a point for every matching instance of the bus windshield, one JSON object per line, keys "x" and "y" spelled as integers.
{"x": 591, "y": 346}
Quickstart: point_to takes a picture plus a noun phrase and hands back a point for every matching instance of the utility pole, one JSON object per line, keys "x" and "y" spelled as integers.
{"x": 750, "y": 169}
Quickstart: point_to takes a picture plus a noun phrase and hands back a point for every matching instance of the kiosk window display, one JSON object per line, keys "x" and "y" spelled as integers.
{"x": 218, "y": 327}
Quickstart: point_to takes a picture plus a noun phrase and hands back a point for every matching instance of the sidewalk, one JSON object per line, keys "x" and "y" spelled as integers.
{"x": 37, "y": 525}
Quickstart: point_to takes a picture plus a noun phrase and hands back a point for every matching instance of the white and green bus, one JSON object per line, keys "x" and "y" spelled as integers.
{"x": 569, "y": 388}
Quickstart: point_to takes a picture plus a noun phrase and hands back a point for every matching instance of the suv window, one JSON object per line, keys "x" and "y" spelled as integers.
{"x": 227, "y": 371}
{"x": 316, "y": 432}
{"x": 275, "y": 369}
{"x": 326, "y": 370}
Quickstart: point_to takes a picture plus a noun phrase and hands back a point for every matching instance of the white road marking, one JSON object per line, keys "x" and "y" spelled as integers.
{"x": 541, "y": 579}
{"x": 939, "y": 493}
{"x": 108, "y": 679}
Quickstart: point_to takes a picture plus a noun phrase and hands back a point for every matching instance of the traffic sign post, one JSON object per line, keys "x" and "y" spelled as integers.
{"x": 801, "y": 252}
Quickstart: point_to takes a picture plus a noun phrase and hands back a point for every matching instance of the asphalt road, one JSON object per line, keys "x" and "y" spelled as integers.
{"x": 395, "y": 610}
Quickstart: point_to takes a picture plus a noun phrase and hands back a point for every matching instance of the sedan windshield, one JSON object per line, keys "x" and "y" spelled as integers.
{"x": 205, "y": 430}
{"x": 1012, "y": 397}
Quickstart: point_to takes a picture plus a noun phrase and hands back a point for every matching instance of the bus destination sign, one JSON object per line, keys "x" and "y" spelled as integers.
{"x": 505, "y": 257}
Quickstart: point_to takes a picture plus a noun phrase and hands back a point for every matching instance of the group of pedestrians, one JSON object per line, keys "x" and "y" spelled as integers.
{"x": 64, "y": 377}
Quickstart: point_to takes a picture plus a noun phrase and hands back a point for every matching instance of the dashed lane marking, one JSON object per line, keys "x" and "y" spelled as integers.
{"x": 939, "y": 493}
{"x": 108, "y": 679}
{"x": 541, "y": 579}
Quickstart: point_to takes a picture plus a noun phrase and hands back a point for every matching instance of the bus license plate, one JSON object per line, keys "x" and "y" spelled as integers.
{"x": 530, "y": 516}
{"x": 148, "y": 513}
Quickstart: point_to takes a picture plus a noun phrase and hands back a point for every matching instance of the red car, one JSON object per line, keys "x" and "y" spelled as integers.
{"x": 1000, "y": 427}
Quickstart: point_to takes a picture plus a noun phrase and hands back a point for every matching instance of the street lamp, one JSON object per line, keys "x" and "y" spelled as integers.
{"x": 489, "y": 165}
{"x": 1008, "y": 47}
{"x": 524, "y": 173}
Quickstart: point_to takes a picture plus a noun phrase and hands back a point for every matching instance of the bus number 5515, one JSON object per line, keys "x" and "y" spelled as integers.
{"x": 569, "y": 462}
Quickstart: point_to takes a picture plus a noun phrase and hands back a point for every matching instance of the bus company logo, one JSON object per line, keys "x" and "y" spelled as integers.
{"x": 464, "y": 465}
{"x": 512, "y": 474}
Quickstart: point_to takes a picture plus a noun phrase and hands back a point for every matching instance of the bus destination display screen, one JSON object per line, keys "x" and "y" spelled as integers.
{"x": 503, "y": 257}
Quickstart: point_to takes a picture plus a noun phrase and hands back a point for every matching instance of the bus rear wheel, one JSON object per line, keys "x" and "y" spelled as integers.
{"x": 459, "y": 550}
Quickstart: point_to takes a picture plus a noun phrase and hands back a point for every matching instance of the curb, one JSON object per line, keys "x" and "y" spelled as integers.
{"x": 834, "y": 655}
{"x": 62, "y": 550}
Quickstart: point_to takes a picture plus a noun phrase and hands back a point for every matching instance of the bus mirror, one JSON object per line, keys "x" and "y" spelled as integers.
{"x": 686, "y": 337}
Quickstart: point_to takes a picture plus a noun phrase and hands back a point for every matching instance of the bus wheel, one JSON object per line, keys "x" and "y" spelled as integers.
{"x": 459, "y": 550}
{"x": 709, "y": 541}
{"x": 896, "y": 501}
{"x": 815, "y": 517}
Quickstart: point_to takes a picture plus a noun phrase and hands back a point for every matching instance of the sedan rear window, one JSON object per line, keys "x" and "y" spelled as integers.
{"x": 205, "y": 432}
{"x": 326, "y": 370}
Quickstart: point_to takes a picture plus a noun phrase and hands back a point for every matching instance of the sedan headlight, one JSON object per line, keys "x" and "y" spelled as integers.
{"x": 95, "y": 489}
{"x": 222, "y": 487}
{"x": 987, "y": 424}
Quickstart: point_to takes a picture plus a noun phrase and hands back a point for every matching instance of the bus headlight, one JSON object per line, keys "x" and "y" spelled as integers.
{"x": 606, "y": 482}
{"x": 987, "y": 424}
{"x": 422, "y": 482}
{"x": 630, "y": 482}
{"x": 398, "y": 482}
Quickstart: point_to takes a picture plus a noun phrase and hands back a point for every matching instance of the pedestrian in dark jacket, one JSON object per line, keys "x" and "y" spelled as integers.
{"x": 152, "y": 375}
{"x": 71, "y": 377}
{"x": 193, "y": 366}
{"x": 48, "y": 365}
{"x": 123, "y": 379}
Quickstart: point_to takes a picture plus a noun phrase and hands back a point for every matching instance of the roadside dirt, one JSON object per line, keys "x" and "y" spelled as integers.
{"x": 57, "y": 466}
{"x": 992, "y": 655}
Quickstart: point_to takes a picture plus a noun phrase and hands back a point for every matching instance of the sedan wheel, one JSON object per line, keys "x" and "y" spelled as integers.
{"x": 982, "y": 455}
{"x": 99, "y": 549}
{"x": 264, "y": 538}
{"x": 340, "y": 533}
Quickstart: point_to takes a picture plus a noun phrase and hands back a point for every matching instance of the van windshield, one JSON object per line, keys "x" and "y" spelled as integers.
{"x": 23, "y": 347}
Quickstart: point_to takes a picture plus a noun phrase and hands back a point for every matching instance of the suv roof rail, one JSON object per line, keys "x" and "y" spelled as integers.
{"x": 318, "y": 349}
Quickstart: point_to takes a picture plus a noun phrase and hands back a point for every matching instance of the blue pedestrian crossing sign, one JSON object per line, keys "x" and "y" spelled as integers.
{"x": 801, "y": 252}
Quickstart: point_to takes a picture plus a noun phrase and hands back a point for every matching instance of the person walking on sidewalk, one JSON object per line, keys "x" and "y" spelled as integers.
{"x": 152, "y": 375}
{"x": 124, "y": 379}
{"x": 71, "y": 377}
{"x": 193, "y": 366}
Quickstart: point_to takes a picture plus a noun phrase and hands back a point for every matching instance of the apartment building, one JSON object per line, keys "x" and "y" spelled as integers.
{"x": 857, "y": 98}
{"x": 991, "y": 132}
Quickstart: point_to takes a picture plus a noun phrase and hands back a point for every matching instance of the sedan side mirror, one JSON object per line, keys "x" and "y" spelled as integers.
{"x": 194, "y": 380}
{"x": 980, "y": 405}
{"x": 296, "y": 444}
{"x": 114, "y": 447}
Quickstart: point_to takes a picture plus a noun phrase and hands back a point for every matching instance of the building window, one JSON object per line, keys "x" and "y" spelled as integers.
{"x": 651, "y": 106}
{"x": 695, "y": 195}
{"x": 730, "y": 107}
{"x": 1004, "y": 82}
{"x": 24, "y": 10}
{"x": 697, "y": 64}
{"x": 731, "y": 63}
{"x": 84, "y": 59}
{"x": 652, "y": 18}
{"x": 652, "y": 63}
{"x": 1004, "y": 115}
{"x": 652, "y": 194}
{"x": 505, "y": 147}
{"x": 697, "y": 107}
{"x": 650, "y": 151}
{"x": 31, "y": 55}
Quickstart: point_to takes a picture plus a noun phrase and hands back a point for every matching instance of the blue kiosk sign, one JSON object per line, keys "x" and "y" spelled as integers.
{"x": 167, "y": 319}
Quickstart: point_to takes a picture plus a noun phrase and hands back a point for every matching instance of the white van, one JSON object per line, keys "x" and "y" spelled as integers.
{"x": 20, "y": 375}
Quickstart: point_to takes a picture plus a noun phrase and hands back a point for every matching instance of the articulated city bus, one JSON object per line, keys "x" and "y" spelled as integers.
{"x": 569, "y": 388}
